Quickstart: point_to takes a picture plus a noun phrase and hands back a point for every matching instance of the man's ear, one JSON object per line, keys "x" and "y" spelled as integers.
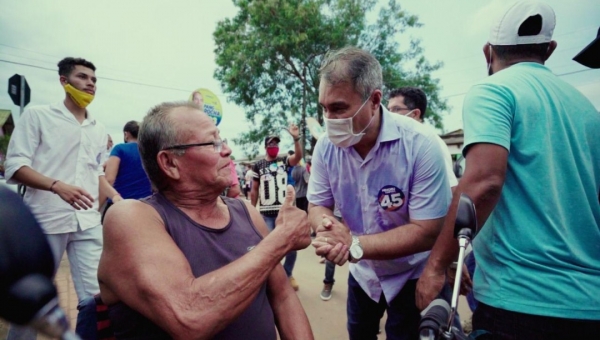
{"x": 486, "y": 52}
{"x": 551, "y": 48}
{"x": 63, "y": 80}
{"x": 168, "y": 164}
{"x": 376, "y": 99}
{"x": 417, "y": 115}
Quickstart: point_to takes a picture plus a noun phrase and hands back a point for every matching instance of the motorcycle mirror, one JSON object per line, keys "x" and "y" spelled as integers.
{"x": 466, "y": 218}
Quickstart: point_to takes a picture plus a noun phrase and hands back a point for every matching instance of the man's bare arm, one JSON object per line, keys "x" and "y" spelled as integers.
{"x": 290, "y": 317}
{"x": 157, "y": 280}
{"x": 107, "y": 190}
{"x": 112, "y": 169}
{"x": 297, "y": 156}
{"x": 69, "y": 193}
{"x": 412, "y": 238}
{"x": 33, "y": 179}
{"x": 482, "y": 182}
{"x": 254, "y": 192}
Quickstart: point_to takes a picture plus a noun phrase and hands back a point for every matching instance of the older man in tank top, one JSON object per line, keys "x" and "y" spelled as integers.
{"x": 188, "y": 264}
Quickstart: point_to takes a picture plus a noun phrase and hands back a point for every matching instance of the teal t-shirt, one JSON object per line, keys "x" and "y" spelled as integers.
{"x": 539, "y": 251}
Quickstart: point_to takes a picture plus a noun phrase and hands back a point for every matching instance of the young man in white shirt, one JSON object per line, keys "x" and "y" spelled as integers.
{"x": 57, "y": 151}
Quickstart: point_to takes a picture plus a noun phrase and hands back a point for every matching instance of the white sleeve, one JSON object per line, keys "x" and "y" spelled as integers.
{"x": 319, "y": 188}
{"x": 448, "y": 161}
{"x": 23, "y": 144}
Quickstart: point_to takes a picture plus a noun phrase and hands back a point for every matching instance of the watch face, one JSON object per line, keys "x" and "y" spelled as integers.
{"x": 356, "y": 252}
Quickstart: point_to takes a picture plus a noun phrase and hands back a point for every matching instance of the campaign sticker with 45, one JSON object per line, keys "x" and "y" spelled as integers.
{"x": 390, "y": 198}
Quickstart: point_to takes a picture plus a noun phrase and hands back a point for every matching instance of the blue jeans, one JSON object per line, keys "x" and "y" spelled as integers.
{"x": 290, "y": 258}
{"x": 86, "y": 319}
{"x": 329, "y": 272}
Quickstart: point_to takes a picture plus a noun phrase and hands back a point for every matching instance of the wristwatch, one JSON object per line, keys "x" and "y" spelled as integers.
{"x": 356, "y": 250}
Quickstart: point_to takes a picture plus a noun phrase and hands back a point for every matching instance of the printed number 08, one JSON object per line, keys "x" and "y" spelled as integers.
{"x": 269, "y": 184}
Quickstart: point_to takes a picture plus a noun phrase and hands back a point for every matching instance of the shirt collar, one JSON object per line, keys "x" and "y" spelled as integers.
{"x": 65, "y": 111}
{"x": 388, "y": 131}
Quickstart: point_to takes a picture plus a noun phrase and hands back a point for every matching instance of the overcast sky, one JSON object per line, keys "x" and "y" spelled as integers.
{"x": 169, "y": 44}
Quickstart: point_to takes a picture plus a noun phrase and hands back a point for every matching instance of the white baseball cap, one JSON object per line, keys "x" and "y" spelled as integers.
{"x": 507, "y": 29}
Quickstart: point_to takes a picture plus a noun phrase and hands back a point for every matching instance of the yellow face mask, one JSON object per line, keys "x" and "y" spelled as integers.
{"x": 81, "y": 98}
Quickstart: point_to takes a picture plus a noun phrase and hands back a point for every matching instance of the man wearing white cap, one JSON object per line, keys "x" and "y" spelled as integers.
{"x": 533, "y": 171}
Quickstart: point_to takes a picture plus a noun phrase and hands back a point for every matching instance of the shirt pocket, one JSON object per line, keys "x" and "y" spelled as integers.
{"x": 92, "y": 154}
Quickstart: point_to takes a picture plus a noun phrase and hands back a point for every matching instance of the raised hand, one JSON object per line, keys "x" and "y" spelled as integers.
{"x": 294, "y": 131}
{"x": 292, "y": 223}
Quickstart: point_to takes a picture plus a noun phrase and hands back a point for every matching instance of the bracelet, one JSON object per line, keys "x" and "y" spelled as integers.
{"x": 453, "y": 265}
{"x": 297, "y": 139}
{"x": 52, "y": 186}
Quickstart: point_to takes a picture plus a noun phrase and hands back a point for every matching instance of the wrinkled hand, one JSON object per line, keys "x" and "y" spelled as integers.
{"x": 77, "y": 197}
{"x": 293, "y": 130}
{"x": 292, "y": 223}
{"x": 429, "y": 286}
{"x": 333, "y": 240}
{"x": 466, "y": 284}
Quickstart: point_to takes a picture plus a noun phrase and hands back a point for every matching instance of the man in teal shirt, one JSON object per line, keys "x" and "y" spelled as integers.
{"x": 533, "y": 171}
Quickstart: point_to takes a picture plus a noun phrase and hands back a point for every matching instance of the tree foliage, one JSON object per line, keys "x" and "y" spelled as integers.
{"x": 268, "y": 57}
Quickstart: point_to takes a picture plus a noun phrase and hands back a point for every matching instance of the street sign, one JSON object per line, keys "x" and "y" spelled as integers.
{"x": 19, "y": 90}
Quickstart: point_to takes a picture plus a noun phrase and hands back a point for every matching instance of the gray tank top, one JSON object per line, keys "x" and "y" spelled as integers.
{"x": 206, "y": 250}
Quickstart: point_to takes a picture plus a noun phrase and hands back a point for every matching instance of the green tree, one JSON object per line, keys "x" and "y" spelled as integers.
{"x": 268, "y": 57}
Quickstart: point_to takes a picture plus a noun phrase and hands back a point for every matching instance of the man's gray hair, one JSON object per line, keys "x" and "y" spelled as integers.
{"x": 355, "y": 66}
{"x": 158, "y": 131}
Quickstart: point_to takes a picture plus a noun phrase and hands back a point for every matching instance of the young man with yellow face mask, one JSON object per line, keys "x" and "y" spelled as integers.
{"x": 57, "y": 150}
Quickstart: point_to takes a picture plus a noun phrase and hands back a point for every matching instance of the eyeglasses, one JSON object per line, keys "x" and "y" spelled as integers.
{"x": 397, "y": 109}
{"x": 217, "y": 144}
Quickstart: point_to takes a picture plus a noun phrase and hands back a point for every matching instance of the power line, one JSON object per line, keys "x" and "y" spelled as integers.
{"x": 104, "y": 78}
{"x": 188, "y": 91}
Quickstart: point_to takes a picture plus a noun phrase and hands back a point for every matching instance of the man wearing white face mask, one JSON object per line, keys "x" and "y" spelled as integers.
{"x": 387, "y": 176}
{"x": 57, "y": 151}
{"x": 412, "y": 102}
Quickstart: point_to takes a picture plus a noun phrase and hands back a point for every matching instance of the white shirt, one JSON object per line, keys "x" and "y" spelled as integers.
{"x": 51, "y": 141}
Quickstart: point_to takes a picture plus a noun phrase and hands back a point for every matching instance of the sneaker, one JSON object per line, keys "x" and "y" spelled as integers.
{"x": 293, "y": 283}
{"x": 326, "y": 292}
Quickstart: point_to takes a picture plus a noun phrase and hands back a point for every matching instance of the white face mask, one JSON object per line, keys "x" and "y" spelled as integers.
{"x": 340, "y": 131}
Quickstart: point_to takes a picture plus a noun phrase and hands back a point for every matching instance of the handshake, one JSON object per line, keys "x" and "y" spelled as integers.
{"x": 333, "y": 241}
{"x": 333, "y": 238}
